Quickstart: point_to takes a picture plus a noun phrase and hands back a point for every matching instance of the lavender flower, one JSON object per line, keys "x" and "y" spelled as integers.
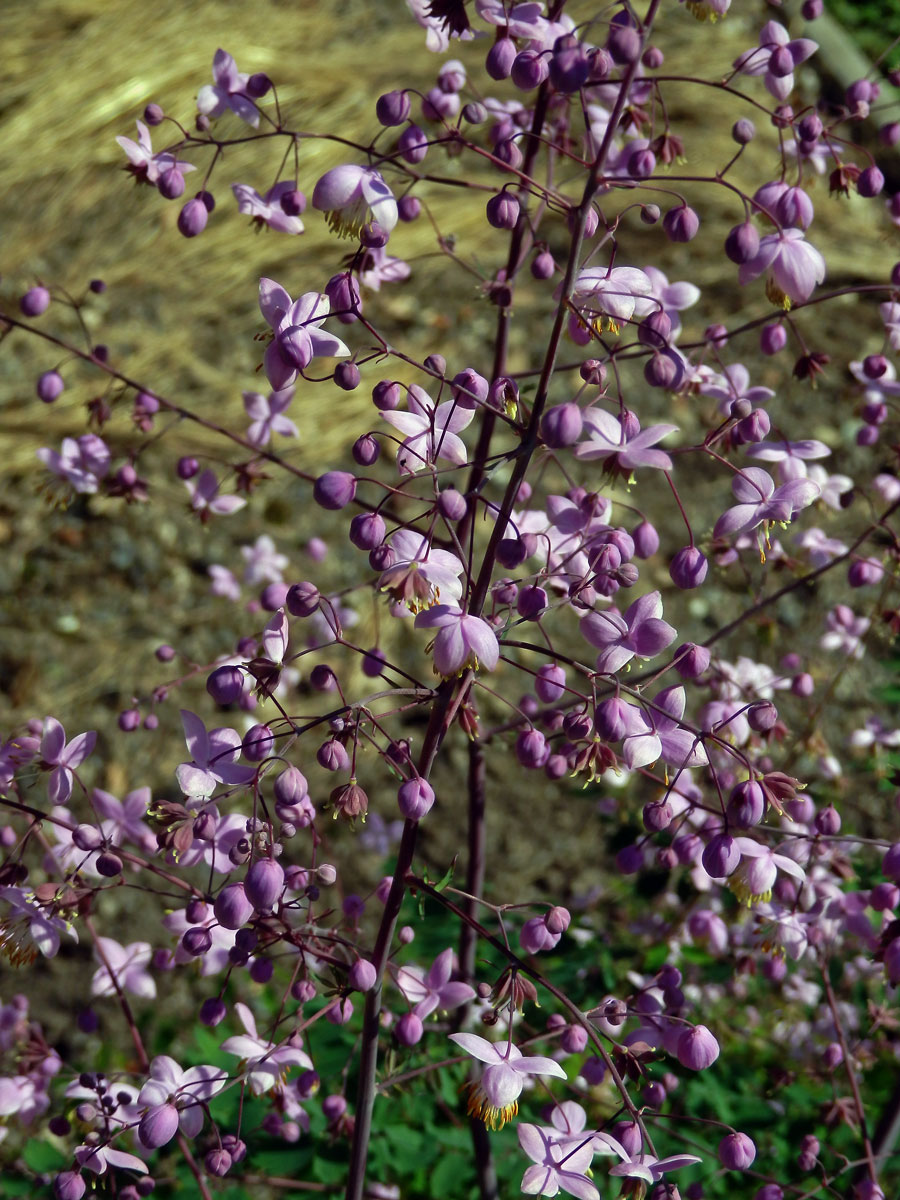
{"x": 433, "y": 991}
{"x": 205, "y": 498}
{"x": 63, "y": 757}
{"x": 82, "y": 462}
{"x": 352, "y": 195}
{"x": 264, "y": 1064}
{"x": 558, "y": 1165}
{"x": 125, "y": 966}
{"x": 792, "y": 266}
{"x": 421, "y": 574}
{"x": 430, "y": 432}
{"x": 146, "y": 165}
{"x": 187, "y": 1090}
{"x": 640, "y": 632}
{"x": 644, "y": 1167}
{"x": 616, "y": 293}
{"x": 266, "y": 210}
{"x": 495, "y": 1099}
{"x": 213, "y": 756}
{"x": 761, "y": 502}
{"x": 266, "y": 414}
{"x": 227, "y": 91}
{"x": 775, "y": 58}
{"x": 623, "y": 447}
{"x": 26, "y": 929}
{"x": 299, "y": 337}
{"x": 462, "y": 641}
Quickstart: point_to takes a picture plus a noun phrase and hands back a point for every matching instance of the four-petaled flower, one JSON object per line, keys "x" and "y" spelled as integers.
{"x": 773, "y": 39}
{"x": 266, "y": 414}
{"x": 214, "y": 756}
{"x": 558, "y": 1165}
{"x": 63, "y": 757}
{"x": 759, "y": 501}
{"x": 205, "y": 498}
{"x": 758, "y": 869}
{"x": 645, "y": 1167}
{"x": 622, "y": 445}
{"x": 27, "y": 929}
{"x": 640, "y": 632}
{"x": 793, "y": 267}
{"x": 125, "y": 966}
{"x": 433, "y": 990}
{"x": 421, "y": 574}
{"x": 267, "y": 210}
{"x": 617, "y": 293}
{"x": 351, "y": 195}
{"x": 495, "y": 1098}
{"x": 264, "y": 1063}
{"x": 462, "y": 640}
{"x": 299, "y": 337}
{"x": 144, "y": 164}
{"x": 430, "y": 432}
{"x": 228, "y": 90}
{"x": 82, "y": 462}
{"x": 187, "y": 1090}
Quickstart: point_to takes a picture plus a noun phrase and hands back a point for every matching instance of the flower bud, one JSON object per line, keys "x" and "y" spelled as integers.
{"x": 529, "y": 70}
{"x": 697, "y": 1049}
{"x": 225, "y": 685}
{"x": 302, "y": 599}
{"x": 468, "y": 388}
{"x": 409, "y": 1030}
{"x": 742, "y": 243}
{"x": 502, "y": 211}
{"x": 392, "y": 108}
{"x": 108, "y": 865}
{"x": 746, "y": 804}
{"x": 346, "y": 376}
{"x": 415, "y": 798}
{"x": 691, "y": 660}
{"x": 531, "y": 603}
{"x": 264, "y": 884}
{"x": 50, "y": 386}
{"x": 218, "y": 1162}
{"x": 762, "y": 716}
{"x": 212, "y": 1012}
{"x": 171, "y": 183}
{"x": 259, "y": 742}
{"x": 413, "y": 144}
{"x": 550, "y": 683}
{"x": 623, "y": 44}
{"x": 192, "y": 218}
{"x": 542, "y": 265}
{"x": 500, "y": 58}
{"x": 736, "y": 1152}
{"x": 681, "y": 224}
{"x": 367, "y": 530}
{"x": 34, "y": 302}
{"x": 720, "y": 856}
{"x": 362, "y": 975}
{"x": 231, "y": 906}
{"x": 452, "y": 504}
{"x": 69, "y": 1185}
{"x": 688, "y": 568}
{"x": 334, "y": 490}
{"x": 86, "y": 838}
{"x": 158, "y": 1126}
{"x": 743, "y": 131}
{"x": 828, "y": 821}
{"x": 196, "y": 941}
{"x": 772, "y": 339}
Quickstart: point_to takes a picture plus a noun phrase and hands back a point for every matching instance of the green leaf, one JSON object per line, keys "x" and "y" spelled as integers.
{"x": 41, "y": 1156}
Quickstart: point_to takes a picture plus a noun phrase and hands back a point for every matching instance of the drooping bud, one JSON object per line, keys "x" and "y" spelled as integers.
{"x": 264, "y": 884}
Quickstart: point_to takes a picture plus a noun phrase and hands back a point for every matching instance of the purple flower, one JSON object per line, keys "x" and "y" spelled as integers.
{"x": 420, "y": 575}
{"x": 144, "y": 163}
{"x": 26, "y": 929}
{"x": 379, "y": 267}
{"x": 761, "y": 502}
{"x": 732, "y": 387}
{"x": 641, "y": 1166}
{"x": 790, "y": 456}
{"x": 228, "y": 90}
{"x": 430, "y": 432}
{"x": 63, "y": 757}
{"x": 495, "y": 1099}
{"x": 263, "y": 562}
{"x": 125, "y": 817}
{"x": 205, "y": 498}
{"x": 845, "y": 631}
{"x": 657, "y": 733}
{"x": 125, "y": 966}
{"x": 617, "y": 293}
{"x": 299, "y": 337}
{"x": 640, "y": 632}
{"x": 266, "y": 414}
{"x": 673, "y": 297}
{"x": 186, "y": 1090}
{"x": 558, "y": 1165}
{"x": 99, "y": 1158}
{"x": 794, "y": 267}
{"x": 82, "y": 463}
{"x": 775, "y": 58}
{"x": 267, "y": 210}
{"x": 264, "y": 1064}
{"x": 462, "y": 640}
{"x": 213, "y": 759}
{"x": 622, "y": 451}
{"x": 352, "y": 195}
{"x": 759, "y": 866}
{"x": 433, "y": 990}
